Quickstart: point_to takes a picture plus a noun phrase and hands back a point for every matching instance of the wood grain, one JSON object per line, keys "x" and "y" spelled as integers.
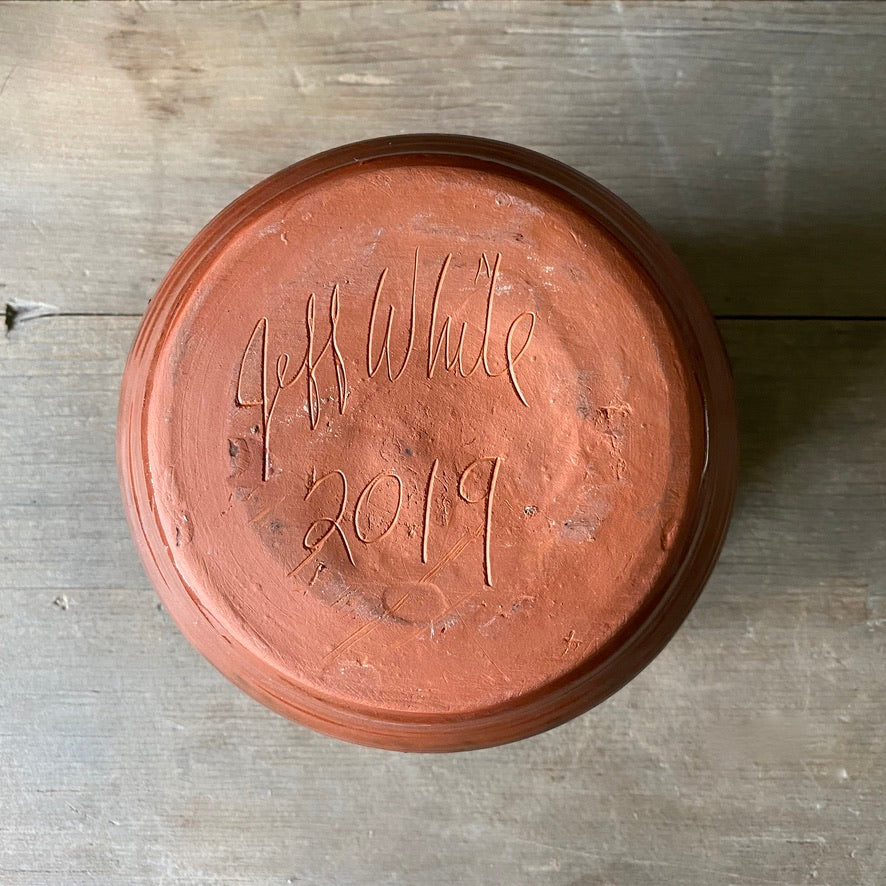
{"x": 753, "y": 138}
{"x": 751, "y": 751}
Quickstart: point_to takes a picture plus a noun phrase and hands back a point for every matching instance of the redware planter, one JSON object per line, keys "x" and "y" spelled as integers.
{"x": 428, "y": 442}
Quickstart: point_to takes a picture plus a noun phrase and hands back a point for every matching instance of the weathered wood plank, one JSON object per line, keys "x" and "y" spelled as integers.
{"x": 749, "y": 752}
{"x": 752, "y": 135}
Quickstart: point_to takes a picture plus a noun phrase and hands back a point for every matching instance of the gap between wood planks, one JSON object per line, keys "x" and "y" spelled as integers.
{"x": 20, "y": 310}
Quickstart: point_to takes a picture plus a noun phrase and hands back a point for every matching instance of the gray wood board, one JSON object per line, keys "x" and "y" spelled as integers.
{"x": 753, "y": 136}
{"x": 751, "y": 751}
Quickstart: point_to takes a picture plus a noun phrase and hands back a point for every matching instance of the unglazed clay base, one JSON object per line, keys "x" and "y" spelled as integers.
{"x": 428, "y": 443}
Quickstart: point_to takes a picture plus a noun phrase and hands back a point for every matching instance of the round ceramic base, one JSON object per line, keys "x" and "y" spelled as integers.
{"x": 428, "y": 442}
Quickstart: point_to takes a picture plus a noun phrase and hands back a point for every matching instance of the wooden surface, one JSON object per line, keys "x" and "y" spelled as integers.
{"x": 752, "y": 750}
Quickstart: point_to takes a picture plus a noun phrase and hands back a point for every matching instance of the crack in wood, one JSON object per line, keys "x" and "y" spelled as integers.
{"x": 20, "y": 310}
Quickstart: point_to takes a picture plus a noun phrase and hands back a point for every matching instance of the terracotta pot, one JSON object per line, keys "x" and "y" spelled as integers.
{"x": 428, "y": 442}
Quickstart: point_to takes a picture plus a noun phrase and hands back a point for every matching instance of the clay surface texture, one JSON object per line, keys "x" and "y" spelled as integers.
{"x": 420, "y": 446}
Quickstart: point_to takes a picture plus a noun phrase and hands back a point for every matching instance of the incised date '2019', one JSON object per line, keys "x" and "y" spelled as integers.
{"x": 261, "y": 381}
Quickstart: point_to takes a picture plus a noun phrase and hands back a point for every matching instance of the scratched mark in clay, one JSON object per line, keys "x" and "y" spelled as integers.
{"x": 386, "y": 347}
{"x": 314, "y": 548}
{"x": 380, "y": 505}
{"x": 333, "y": 525}
{"x": 364, "y": 500}
{"x": 254, "y": 389}
{"x": 484, "y": 530}
{"x": 308, "y": 370}
{"x": 454, "y": 362}
{"x": 490, "y": 493}
{"x": 482, "y": 265}
{"x": 448, "y": 557}
{"x": 570, "y": 641}
{"x": 429, "y": 492}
